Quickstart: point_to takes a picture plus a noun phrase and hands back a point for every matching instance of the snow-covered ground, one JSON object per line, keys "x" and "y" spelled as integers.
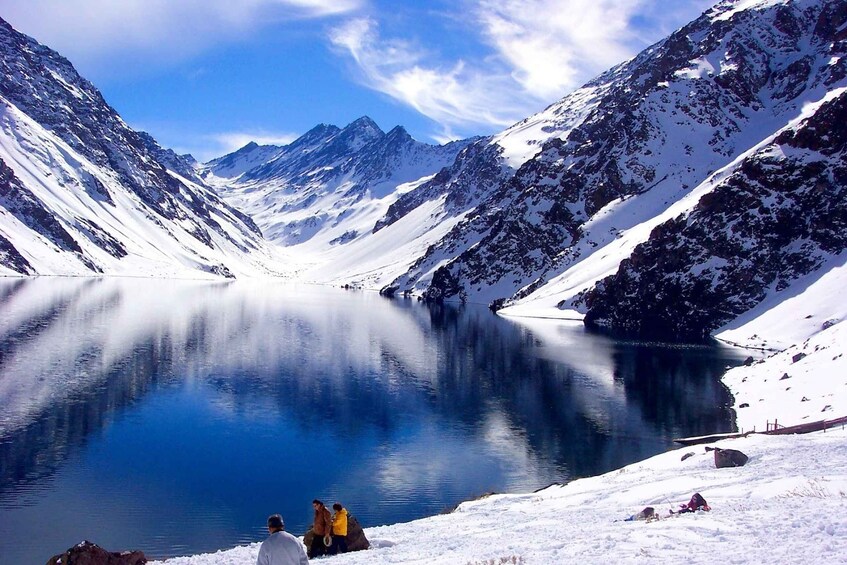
{"x": 785, "y": 506}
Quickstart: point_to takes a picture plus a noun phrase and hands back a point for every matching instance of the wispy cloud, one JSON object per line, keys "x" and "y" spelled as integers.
{"x": 538, "y": 51}
{"x": 91, "y": 32}
{"x": 456, "y": 95}
{"x": 553, "y": 46}
{"x": 230, "y": 141}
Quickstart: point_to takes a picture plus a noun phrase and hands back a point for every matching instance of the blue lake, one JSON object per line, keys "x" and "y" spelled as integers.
{"x": 175, "y": 416}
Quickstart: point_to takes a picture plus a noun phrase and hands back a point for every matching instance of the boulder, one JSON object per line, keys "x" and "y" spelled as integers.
{"x": 308, "y": 538}
{"x": 88, "y": 553}
{"x": 729, "y": 458}
{"x": 356, "y": 539}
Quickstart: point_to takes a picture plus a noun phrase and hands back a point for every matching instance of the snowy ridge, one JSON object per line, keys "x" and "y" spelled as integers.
{"x": 778, "y": 217}
{"x": 625, "y": 148}
{"x": 81, "y": 193}
{"x": 322, "y": 195}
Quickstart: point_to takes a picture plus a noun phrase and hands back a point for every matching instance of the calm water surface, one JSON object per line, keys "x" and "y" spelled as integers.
{"x": 174, "y": 417}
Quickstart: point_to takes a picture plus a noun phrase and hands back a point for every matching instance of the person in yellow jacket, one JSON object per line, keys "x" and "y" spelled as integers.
{"x": 339, "y": 529}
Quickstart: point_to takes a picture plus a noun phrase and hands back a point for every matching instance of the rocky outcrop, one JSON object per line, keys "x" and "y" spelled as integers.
{"x": 88, "y": 553}
{"x": 780, "y": 215}
{"x": 727, "y": 458}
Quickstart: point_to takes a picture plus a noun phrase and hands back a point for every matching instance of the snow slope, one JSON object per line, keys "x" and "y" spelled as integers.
{"x": 611, "y": 159}
{"x": 81, "y": 193}
{"x": 54, "y": 173}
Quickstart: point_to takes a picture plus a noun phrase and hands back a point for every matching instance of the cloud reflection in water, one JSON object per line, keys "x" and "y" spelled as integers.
{"x": 243, "y": 398}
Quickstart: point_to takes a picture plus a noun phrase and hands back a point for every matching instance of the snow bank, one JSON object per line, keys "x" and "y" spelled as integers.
{"x": 805, "y": 383}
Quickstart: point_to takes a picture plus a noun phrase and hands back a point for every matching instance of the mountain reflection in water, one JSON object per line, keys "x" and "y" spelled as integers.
{"x": 174, "y": 416}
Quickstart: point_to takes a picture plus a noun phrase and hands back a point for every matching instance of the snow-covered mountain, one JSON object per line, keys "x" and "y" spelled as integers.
{"x": 700, "y": 130}
{"x": 669, "y": 196}
{"x": 330, "y": 186}
{"x": 570, "y": 192}
{"x": 81, "y": 193}
{"x": 730, "y": 121}
{"x": 771, "y": 218}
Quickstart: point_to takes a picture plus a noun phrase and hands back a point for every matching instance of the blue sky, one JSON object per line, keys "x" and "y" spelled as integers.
{"x": 207, "y": 76}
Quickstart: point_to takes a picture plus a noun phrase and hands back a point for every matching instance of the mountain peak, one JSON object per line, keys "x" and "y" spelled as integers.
{"x": 359, "y": 133}
{"x": 398, "y": 131}
{"x": 363, "y": 123}
{"x": 319, "y": 133}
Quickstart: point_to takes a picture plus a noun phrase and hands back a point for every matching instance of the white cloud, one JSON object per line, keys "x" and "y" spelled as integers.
{"x": 92, "y": 32}
{"x": 554, "y": 45}
{"x": 539, "y": 50}
{"x": 457, "y": 95}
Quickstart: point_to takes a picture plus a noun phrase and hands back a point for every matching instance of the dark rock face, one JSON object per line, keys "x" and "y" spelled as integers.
{"x": 779, "y": 216}
{"x": 87, "y": 553}
{"x": 12, "y": 258}
{"x": 20, "y": 201}
{"x": 662, "y": 122}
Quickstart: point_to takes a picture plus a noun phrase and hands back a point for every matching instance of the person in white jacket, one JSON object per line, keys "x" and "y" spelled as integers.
{"x": 281, "y": 548}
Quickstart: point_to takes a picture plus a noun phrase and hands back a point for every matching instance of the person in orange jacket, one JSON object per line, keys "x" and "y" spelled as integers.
{"x": 339, "y": 530}
{"x": 322, "y": 526}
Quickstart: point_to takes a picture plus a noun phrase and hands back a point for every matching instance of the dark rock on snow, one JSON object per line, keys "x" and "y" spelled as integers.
{"x": 46, "y": 88}
{"x": 88, "y": 553}
{"x": 729, "y": 458}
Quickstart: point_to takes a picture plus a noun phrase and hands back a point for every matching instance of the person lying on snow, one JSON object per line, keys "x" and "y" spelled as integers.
{"x": 696, "y": 503}
{"x": 648, "y": 514}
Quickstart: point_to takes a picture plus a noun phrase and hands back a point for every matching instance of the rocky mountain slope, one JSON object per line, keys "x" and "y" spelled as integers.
{"x": 83, "y": 193}
{"x": 779, "y": 215}
{"x": 558, "y": 201}
{"x": 666, "y": 197}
